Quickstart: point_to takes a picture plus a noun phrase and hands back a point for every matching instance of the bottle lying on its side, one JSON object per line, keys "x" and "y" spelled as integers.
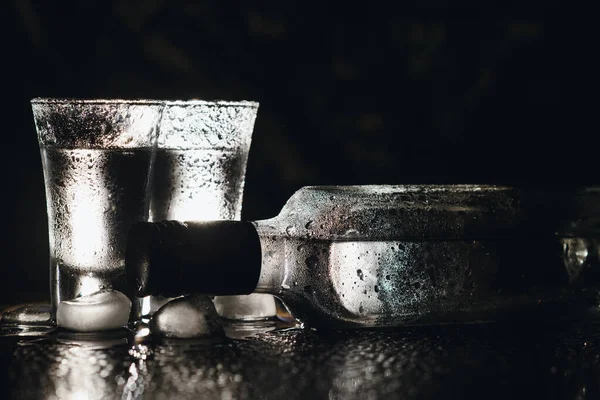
{"x": 376, "y": 256}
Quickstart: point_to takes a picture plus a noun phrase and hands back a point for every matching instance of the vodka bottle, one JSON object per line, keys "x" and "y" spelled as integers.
{"x": 368, "y": 256}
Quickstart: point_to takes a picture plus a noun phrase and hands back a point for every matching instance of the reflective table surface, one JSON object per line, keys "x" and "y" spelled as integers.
{"x": 263, "y": 361}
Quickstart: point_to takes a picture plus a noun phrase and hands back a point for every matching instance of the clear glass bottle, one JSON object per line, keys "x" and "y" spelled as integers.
{"x": 369, "y": 256}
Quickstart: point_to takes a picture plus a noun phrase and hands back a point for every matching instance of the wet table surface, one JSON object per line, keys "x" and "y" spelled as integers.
{"x": 470, "y": 361}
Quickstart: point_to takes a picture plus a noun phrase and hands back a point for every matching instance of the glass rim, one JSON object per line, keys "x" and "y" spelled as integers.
{"x": 218, "y": 103}
{"x": 190, "y": 102}
{"x": 67, "y": 100}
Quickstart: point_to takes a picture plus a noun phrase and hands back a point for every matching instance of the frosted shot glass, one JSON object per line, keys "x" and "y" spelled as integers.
{"x": 199, "y": 175}
{"x": 97, "y": 157}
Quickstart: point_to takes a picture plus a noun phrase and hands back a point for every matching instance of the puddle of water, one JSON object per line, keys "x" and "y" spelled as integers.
{"x": 27, "y": 319}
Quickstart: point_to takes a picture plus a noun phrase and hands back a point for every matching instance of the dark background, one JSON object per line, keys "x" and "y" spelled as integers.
{"x": 349, "y": 94}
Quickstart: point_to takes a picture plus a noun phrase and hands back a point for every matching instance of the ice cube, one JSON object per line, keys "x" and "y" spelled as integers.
{"x": 99, "y": 311}
{"x": 187, "y": 317}
{"x": 255, "y": 306}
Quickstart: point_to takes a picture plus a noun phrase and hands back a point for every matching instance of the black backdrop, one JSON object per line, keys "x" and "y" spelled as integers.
{"x": 348, "y": 94}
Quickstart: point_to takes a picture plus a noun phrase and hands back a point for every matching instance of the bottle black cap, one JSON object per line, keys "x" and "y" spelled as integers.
{"x": 172, "y": 258}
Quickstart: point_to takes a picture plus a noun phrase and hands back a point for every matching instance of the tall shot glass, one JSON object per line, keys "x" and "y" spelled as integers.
{"x": 97, "y": 157}
{"x": 200, "y": 171}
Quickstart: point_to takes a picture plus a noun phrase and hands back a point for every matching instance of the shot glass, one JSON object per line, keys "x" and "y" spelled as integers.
{"x": 97, "y": 157}
{"x": 199, "y": 174}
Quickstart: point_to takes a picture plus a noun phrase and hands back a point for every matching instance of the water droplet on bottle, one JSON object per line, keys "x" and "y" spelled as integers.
{"x": 290, "y": 230}
{"x": 309, "y": 224}
{"x": 312, "y": 262}
{"x": 360, "y": 274}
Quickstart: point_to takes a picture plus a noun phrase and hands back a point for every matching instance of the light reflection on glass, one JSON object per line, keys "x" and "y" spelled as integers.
{"x": 355, "y": 287}
{"x": 197, "y": 206}
{"x": 87, "y": 223}
{"x": 89, "y": 284}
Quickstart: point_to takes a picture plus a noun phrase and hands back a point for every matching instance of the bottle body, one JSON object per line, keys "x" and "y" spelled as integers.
{"x": 376, "y": 256}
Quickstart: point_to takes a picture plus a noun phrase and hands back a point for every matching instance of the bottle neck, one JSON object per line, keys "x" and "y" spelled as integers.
{"x": 273, "y": 265}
